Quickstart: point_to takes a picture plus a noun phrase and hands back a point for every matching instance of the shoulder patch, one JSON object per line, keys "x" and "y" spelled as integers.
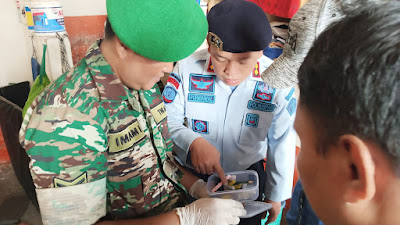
{"x": 169, "y": 94}
{"x": 200, "y": 126}
{"x": 256, "y": 71}
{"x": 291, "y": 107}
{"x": 201, "y": 98}
{"x": 210, "y": 67}
{"x": 82, "y": 179}
{"x": 263, "y": 92}
{"x": 202, "y": 83}
{"x": 290, "y": 94}
{"x": 174, "y": 80}
{"x": 265, "y": 107}
{"x": 252, "y": 120}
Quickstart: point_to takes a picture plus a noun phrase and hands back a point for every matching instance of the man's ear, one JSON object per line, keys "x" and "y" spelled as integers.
{"x": 360, "y": 171}
{"x": 121, "y": 49}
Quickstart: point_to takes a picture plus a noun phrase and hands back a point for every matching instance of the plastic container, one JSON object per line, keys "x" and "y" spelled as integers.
{"x": 47, "y": 15}
{"x": 249, "y": 193}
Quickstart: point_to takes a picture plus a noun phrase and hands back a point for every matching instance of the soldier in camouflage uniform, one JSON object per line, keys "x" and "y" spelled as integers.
{"x": 99, "y": 142}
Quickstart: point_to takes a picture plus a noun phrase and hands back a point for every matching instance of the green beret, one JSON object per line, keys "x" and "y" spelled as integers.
{"x": 161, "y": 30}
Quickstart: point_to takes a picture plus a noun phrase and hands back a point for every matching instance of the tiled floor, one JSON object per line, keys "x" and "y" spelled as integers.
{"x": 11, "y": 189}
{"x": 13, "y": 198}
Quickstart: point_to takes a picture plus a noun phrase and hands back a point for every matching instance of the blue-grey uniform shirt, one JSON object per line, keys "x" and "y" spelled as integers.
{"x": 244, "y": 124}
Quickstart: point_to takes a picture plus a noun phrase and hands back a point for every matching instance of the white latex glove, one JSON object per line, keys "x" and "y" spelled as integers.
{"x": 211, "y": 211}
{"x": 198, "y": 189}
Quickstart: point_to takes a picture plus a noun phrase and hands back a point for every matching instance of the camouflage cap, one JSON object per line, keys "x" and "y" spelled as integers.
{"x": 161, "y": 30}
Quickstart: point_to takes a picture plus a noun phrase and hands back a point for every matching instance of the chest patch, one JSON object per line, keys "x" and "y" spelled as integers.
{"x": 200, "y": 126}
{"x": 174, "y": 80}
{"x": 202, "y": 83}
{"x": 159, "y": 112}
{"x": 265, "y": 107}
{"x": 169, "y": 94}
{"x": 263, "y": 92}
{"x": 252, "y": 120}
{"x": 123, "y": 140}
{"x": 291, "y": 107}
{"x": 201, "y": 98}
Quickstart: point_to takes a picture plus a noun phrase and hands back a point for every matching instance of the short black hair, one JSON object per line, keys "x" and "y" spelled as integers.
{"x": 108, "y": 31}
{"x": 350, "y": 80}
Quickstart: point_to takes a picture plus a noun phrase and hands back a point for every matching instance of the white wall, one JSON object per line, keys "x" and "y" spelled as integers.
{"x": 15, "y": 44}
{"x": 14, "y": 56}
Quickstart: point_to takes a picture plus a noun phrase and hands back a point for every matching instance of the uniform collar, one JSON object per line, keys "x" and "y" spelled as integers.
{"x": 108, "y": 83}
{"x": 256, "y": 74}
{"x": 208, "y": 68}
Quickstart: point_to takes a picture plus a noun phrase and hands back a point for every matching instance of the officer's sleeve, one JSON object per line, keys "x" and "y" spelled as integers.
{"x": 281, "y": 150}
{"x": 174, "y": 98}
{"x": 68, "y": 164}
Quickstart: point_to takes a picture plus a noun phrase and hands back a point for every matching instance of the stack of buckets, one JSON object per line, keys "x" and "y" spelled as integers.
{"x": 43, "y": 16}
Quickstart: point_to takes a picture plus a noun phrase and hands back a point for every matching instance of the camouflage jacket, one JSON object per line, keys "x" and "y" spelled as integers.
{"x": 97, "y": 146}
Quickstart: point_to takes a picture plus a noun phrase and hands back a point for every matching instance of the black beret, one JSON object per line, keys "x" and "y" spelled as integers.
{"x": 238, "y": 26}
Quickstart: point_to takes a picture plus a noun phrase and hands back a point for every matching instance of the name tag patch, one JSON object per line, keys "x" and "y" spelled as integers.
{"x": 159, "y": 112}
{"x": 82, "y": 179}
{"x": 202, "y": 98}
{"x": 265, "y": 107}
{"x": 202, "y": 83}
{"x": 291, "y": 107}
{"x": 200, "y": 126}
{"x": 263, "y": 92}
{"x": 123, "y": 140}
{"x": 252, "y": 120}
{"x": 169, "y": 94}
{"x": 174, "y": 80}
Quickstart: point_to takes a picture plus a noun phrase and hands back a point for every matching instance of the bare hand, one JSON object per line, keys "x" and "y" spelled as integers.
{"x": 273, "y": 212}
{"x": 205, "y": 158}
